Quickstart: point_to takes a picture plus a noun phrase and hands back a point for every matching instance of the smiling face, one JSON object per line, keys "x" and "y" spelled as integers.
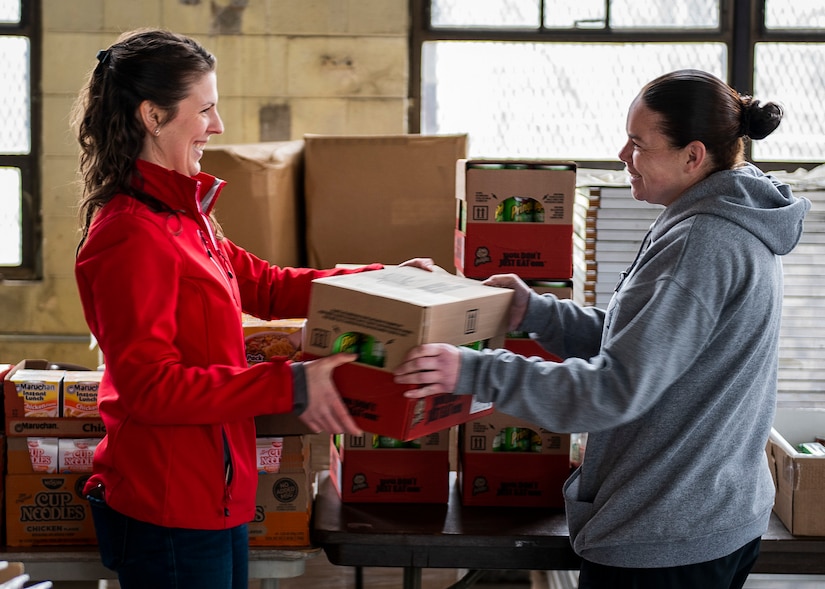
{"x": 177, "y": 143}
{"x": 659, "y": 172}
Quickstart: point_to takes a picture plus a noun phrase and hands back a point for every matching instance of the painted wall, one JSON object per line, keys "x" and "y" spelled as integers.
{"x": 285, "y": 68}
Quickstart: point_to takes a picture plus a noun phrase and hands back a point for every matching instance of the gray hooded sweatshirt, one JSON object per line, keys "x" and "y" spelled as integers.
{"x": 675, "y": 382}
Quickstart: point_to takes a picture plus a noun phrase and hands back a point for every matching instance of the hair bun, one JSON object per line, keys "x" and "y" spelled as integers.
{"x": 759, "y": 120}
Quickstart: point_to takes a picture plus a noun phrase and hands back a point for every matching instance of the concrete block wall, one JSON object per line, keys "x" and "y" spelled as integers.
{"x": 285, "y": 68}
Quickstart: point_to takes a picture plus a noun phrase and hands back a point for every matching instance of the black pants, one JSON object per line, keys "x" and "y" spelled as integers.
{"x": 728, "y": 572}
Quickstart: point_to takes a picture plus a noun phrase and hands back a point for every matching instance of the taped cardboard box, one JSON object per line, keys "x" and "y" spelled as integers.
{"x": 383, "y": 314}
{"x": 506, "y": 461}
{"x": 368, "y": 468}
{"x": 260, "y": 208}
{"x": 381, "y": 198}
{"x": 799, "y": 478}
{"x": 515, "y": 216}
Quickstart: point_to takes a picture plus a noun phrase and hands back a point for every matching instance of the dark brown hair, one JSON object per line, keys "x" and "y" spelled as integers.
{"x": 696, "y": 106}
{"x": 146, "y": 64}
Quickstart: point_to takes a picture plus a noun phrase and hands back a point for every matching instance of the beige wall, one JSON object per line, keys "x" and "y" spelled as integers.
{"x": 285, "y": 68}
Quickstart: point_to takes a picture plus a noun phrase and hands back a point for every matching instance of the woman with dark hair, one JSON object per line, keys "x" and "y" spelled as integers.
{"x": 676, "y": 380}
{"x": 163, "y": 292}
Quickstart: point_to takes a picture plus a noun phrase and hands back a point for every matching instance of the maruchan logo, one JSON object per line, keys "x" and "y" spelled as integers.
{"x": 28, "y": 426}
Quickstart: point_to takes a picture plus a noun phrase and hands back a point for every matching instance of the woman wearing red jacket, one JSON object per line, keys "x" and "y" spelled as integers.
{"x": 163, "y": 291}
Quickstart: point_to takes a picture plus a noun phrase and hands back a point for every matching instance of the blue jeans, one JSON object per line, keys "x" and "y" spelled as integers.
{"x": 145, "y": 555}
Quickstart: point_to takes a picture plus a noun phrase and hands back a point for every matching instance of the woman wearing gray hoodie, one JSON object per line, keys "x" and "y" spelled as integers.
{"x": 676, "y": 380}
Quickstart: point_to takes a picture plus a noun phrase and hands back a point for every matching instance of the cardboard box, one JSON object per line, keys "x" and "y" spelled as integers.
{"x": 541, "y": 249}
{"x": 283, "y": 509}
{"x": 384, "y": 198}
{"x": 799, "y": 478}
{"x": 400, "y": 308}
{"x": 260, "y": 208}
{"x": 17, "y": 424}
{"x": 47, "y": 510}
{"x": 523, "y": 471}
{"x": 363, "y": 471}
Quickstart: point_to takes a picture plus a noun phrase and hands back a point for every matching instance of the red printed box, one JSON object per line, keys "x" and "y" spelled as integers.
{"x": 377, "y": 469}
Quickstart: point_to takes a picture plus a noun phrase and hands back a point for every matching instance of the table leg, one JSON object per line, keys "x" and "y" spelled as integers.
{"x": 412, "y": 578}
{"x": 359, "y": 577}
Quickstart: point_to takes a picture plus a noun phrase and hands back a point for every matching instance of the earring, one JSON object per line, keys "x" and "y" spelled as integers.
{"x": 157, "y": 131}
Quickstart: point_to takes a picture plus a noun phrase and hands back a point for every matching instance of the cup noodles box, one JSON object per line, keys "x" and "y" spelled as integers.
{"x": 32, "y": 455}
{"x": 283, "y": 509}
{"x": 282, "y": 454}
{"x": 33, "y": 410}
{"x": 799, "y": 477}
{"x": 506, "y": 461}
{"x": 369, "y": 468}
{"x": 515, "y": 216}
{"x": 47, "y": 510}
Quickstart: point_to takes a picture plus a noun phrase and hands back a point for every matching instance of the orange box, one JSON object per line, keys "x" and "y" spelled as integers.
{"x": 283, "y": 509}
{"x": 47, "y": 510}
{"x": 539, "y": 250}
{"x": 363, "y": 473}
{"x": 17, "y": 424}
{"x": 377, "y": 404}
{"x": 491, "y": 472}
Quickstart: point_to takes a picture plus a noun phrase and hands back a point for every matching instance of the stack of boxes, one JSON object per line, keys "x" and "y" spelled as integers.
{"x": 515, "y": 216}
{"x": 52, "y": 428}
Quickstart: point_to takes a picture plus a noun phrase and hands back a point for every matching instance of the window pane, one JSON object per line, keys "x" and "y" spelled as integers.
{"x": 565, "y": 101}
{"x": 485, "y": 13}
{"x": 15, "y": 137}
{"x": 10, "y": 207}
{"x": 581, "y": 14}
{"x": 660, "y": 14}
{"x": 794, "y": 14}
{"x": 791, "y": 74}
{"x": 10, "y": 11}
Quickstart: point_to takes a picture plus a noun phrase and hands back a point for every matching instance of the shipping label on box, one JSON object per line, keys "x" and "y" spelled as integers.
{"x": 369, "y": 468}
{"x": 48, "y": 510}
{"x": 384, "y": 313}
{"x": 799, "y": 477}
{"x": 506, "y": 461}
{"x": 283, "y": 508}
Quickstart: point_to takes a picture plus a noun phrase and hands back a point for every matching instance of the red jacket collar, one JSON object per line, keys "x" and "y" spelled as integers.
{"x": 195, "y": 194}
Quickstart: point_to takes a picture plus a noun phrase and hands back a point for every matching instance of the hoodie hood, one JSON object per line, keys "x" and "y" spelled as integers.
{"x": 756, "y": 201}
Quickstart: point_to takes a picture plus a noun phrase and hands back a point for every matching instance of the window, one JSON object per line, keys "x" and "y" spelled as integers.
{"x": 19, "y": 136}
{"x": 552, "y": 79}
{"x": 545, "y": 78}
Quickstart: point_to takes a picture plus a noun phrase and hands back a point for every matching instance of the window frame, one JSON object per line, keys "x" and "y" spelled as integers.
{"x": 30, "y": 267}
{"x": 741, "y": 27}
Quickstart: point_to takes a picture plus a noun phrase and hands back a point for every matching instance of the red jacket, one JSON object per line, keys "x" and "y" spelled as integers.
{"x": 164, "y": 298}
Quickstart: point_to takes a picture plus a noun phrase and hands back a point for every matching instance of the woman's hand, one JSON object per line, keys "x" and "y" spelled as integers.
{"x": 521, "y": 296}
{"x": 325, "y": 409}
{"x": 433, "y": 366}
{"x": 423, "y": 263}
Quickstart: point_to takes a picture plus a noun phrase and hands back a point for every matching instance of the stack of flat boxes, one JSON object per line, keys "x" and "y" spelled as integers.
{"x": 51, "y": 431}
{"x": 515, "y": 216}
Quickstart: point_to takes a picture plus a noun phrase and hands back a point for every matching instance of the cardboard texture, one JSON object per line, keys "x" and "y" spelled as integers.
{"x": 493, "y": 237}
{"x": 47, "y": 510}
{"x": 400, "y": 308}
{"x": 384, "y": 198}
{"x": 492, "y": 472}
{"x": 260, "y": 207}
{"x": 364, "y": 473}
{"x": 283, "y": 502}
{"x": 397, "y": 309}
{"x": 18, "y": 424}
{"x": 799, "y": 478}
